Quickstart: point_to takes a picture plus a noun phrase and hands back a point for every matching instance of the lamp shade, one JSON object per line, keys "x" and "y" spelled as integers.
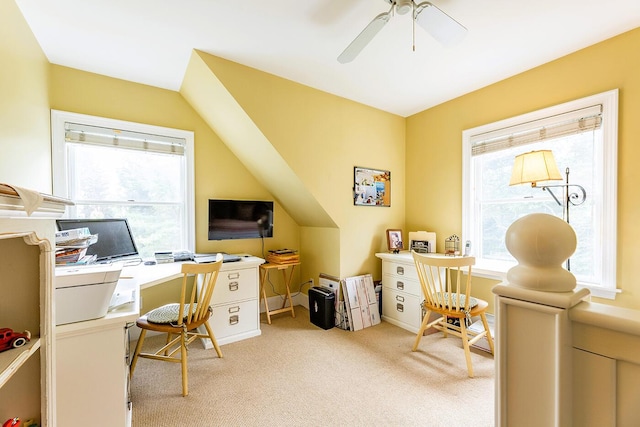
{"x": 534, "y": 166}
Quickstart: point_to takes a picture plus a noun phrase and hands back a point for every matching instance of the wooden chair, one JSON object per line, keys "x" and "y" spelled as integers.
{"x": 446, "y": 286}
{"x": 182, "y": 319}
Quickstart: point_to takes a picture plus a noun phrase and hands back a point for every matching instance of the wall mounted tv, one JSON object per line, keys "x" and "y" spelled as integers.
{"x": 240, "y": 219}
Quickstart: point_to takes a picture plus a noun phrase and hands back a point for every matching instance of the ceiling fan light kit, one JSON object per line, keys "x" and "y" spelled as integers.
{"x": 438, "y": 24}
{"x": 403, "y": 6}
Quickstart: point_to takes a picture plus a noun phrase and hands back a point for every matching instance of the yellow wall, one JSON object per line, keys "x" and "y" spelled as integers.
{"x": 321, "y": 137}
{"x": 434, "y": 139}
{"x": 218, "y": 173}
{"x": 25, "y": 152}
{"x": 329, "y": 136}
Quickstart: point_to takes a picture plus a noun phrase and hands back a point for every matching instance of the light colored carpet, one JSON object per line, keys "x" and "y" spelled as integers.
{"x": 296, "y": 374}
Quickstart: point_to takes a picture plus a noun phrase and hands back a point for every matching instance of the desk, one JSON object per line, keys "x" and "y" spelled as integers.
{"x": 145, "y": 276}
{"x": 235, "y": 301}
{"x": 92, "y": 356}
{"x": 264, "y": 271}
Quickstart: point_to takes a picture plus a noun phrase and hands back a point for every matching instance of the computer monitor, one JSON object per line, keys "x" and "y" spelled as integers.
{"x": 115, "y": 240}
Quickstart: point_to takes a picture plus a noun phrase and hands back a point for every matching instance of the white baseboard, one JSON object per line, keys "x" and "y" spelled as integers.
{"x": 302, "y": 299}
{"x": 276, "y": 301}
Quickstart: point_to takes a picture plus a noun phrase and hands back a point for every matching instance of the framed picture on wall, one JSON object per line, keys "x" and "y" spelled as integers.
{"x": 394, "y": 240}
{"x": 372, "y": 187}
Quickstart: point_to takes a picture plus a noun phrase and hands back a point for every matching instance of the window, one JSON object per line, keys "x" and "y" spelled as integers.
{"x": 116, "y": 169}
{"x": 583, "y": 137}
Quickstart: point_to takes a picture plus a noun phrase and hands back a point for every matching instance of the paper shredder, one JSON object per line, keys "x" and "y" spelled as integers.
{"x": 321, "y": 307}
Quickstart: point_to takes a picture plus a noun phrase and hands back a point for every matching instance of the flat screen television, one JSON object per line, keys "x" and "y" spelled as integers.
{"x": 240, "y": 219}
{"x": 114, "y": 237}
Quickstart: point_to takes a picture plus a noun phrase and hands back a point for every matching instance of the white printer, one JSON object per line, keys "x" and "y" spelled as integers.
{"x": 84, "y": 292}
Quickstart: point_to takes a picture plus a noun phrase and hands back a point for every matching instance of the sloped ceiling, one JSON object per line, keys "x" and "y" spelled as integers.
{"x": 208, "y": 96}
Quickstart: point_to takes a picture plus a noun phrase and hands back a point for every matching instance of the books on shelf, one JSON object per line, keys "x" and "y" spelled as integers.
{"x": 283, "y": 256}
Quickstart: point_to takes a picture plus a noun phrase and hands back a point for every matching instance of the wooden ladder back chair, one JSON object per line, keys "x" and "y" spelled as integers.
{"x": 182, "y": 319}
{"x": 446, "y": 287}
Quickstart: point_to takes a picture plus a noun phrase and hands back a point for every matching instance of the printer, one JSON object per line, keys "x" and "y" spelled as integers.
{"x": 84, "y": 292}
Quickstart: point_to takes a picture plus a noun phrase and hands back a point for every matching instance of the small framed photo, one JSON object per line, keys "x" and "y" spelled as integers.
{"x": 394, "y": 240}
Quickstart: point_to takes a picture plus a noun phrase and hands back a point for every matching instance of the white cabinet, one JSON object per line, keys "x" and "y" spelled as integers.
{"x": 401, "y": 292}
{"x": 27, "y": 378}
{"x": 92, "y": 365}
{"x": 235, "y": 302}
{"x": 605, "y": 365}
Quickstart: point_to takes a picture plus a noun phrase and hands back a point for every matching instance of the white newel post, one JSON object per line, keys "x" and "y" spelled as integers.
{"x": 533, "y": 334}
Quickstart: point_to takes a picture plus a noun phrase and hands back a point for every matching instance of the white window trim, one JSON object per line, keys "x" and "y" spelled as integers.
{"x": 608, "y": 237}
{"x": 59, "y": 159}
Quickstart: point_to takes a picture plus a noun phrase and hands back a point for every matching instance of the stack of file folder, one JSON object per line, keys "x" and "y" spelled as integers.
{"x": 283, "y": 256}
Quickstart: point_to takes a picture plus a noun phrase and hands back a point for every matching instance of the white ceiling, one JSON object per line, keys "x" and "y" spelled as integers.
{"x": 150, "y": 41}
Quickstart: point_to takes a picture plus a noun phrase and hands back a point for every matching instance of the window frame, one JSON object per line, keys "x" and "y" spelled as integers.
{"x": 609, "y": 165}
{"x": 60, "y": 160}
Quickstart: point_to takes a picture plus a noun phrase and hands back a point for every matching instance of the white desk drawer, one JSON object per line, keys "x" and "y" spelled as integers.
{"x": 400, "y": 270}
{"x": 235, "y": 285}
{"x": 402, "y": 307}
{"x": 234, "y": 319}
{"x": 402, "y": 284}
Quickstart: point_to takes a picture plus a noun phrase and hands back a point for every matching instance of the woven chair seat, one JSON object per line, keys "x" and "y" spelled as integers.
{"x": 443, "y": 299}
{"x": 168, "y": 314}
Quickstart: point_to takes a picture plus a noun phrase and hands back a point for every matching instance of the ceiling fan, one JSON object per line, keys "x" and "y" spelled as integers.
{"x": 441, "y": 26}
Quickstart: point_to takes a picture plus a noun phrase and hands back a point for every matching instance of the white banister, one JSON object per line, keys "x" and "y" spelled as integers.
{"x": 560, "y": 360}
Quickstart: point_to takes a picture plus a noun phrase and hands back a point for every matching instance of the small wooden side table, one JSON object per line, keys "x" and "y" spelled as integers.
{"x": 264, "y": 271}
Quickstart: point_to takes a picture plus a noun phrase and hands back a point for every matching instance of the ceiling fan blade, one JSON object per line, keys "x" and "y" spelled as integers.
{"x": 363, "y": 39}
{"x": 441, "y": 26}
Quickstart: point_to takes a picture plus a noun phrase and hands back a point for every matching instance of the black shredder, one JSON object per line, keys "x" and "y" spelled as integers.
{"x": 321, "y": 307}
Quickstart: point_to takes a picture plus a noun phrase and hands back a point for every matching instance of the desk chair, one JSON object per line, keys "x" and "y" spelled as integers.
{"x": 182, "y": 319}
{"x": 446, "y": 287}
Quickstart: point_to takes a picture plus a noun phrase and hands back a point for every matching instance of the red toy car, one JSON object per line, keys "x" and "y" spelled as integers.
{"x": 10, "y": 339}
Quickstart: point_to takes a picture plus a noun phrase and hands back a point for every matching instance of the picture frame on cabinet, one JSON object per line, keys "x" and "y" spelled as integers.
{"x": 372, "y": 187}
{"x": 394, "y": 240}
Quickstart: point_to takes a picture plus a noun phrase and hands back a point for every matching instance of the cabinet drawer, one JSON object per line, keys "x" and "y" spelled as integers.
{"x": 235, "y": 285}
{"x": 402, "y": 284}
{"x": 402, "y": 307}
{"x": 234, "y": 319}
{"x": 400, "y": 270}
